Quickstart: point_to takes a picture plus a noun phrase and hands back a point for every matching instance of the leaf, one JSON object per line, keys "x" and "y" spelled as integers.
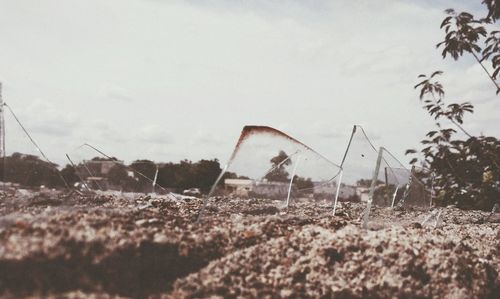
{"x": 421, "y": 83}
{"x": 434, "y": 110}
{"x": 436, "y": 73}
{"x": 422, "y": 92}
{"x": 431, "y": 134}
{"x": 466, "y": 15}
{"x": 410, "y": 151}
{"x": 495, "y": 73}
{"x": 444, "y": 53}
{"x": 426, "y": 149}
{"x": 445, "y": 21}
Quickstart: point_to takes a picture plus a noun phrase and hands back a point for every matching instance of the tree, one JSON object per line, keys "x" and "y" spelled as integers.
{"x": 302, "y": 183}
{"x": 29, "y": 170}
{"x": 205, "y": 173}
{"x": 144, "y": 172}
{"x": 166, "y": 175}
{"x": 466, "y": 172}
{"x": 104, "y": 159}
{"x": 69, "y": 174}
{"x": 184, "y": 176}
{"x": 278, "y": 172}
{"x": 118, "y": 175}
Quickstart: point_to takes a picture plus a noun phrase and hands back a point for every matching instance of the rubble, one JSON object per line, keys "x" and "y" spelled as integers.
{"x": 107, "y": 245}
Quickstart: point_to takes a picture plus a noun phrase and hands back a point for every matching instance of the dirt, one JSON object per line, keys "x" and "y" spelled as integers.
{"x": 56, "y": 244}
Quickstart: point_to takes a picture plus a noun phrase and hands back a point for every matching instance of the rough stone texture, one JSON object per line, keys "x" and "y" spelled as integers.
{"x": 106, "y": 246}
{"x": 316, "y": 262}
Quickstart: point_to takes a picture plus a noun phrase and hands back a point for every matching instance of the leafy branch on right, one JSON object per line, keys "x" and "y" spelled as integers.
{"x": 466, "y": 171}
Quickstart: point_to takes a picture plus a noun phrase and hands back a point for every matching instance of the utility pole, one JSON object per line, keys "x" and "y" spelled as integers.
{"x": 2, "y": 136}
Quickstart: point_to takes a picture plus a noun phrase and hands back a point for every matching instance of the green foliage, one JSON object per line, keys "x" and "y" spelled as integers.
{"x": 493, "y": 9}
{"x": 465, "y": 34}
{"x": 303, "y": 183}
{"x": 145, "y": 172}
{"x": 69, "y": 174}
{"x": 492, "y": 51}
{"x": 278, "y": 172}
{"x": 118, "y": 175}
{"x": 186, "y": 174}
{"x": 466, "y": 172}
{"x": 205, "y": 173}
{"x": 30, "y": 171}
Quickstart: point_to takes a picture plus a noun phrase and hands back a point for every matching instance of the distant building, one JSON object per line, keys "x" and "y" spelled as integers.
{"x": 271, "y": 189}
{"x": 325, "y": 187}
{"x": 245, "y": 187}
{"x": 238, "y": 187}
{"x": 330, "y": 188}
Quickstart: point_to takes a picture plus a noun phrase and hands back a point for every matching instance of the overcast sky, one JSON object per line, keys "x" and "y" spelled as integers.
{"x": 168, "y": 80}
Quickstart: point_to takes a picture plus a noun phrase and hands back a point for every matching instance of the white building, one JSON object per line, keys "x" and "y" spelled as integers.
{"x": 239, "y": 187}
{"x": 244, "y": 187}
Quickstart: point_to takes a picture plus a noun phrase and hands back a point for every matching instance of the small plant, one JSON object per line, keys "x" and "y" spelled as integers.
{"x": 467, "y": 172}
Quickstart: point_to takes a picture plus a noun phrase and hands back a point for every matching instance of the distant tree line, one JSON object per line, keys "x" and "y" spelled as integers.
{"x": 31, "y": 171}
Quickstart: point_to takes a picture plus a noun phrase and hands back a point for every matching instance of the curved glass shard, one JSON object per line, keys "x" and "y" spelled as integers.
{"x": 394, "y": 185}
{"x": 277, "y": 170}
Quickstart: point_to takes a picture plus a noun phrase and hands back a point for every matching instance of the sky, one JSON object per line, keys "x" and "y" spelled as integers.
{"x": 172, "y": 80}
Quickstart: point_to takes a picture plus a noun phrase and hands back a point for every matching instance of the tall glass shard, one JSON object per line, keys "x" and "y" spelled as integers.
{"x": 276, "y": 170}
{"x": 391, "y": 184}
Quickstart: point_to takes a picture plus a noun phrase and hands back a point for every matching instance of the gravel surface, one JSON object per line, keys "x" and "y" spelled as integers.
{"x": 62, "y": 245}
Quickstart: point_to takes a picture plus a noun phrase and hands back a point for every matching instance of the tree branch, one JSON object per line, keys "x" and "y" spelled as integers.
{"x": 488, "y": 73}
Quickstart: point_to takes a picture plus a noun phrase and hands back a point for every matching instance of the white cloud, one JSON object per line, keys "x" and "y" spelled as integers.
{"x": 140, "y": 78}
{"x": 154, "y": 134}
{"x": 117, "y": 93}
